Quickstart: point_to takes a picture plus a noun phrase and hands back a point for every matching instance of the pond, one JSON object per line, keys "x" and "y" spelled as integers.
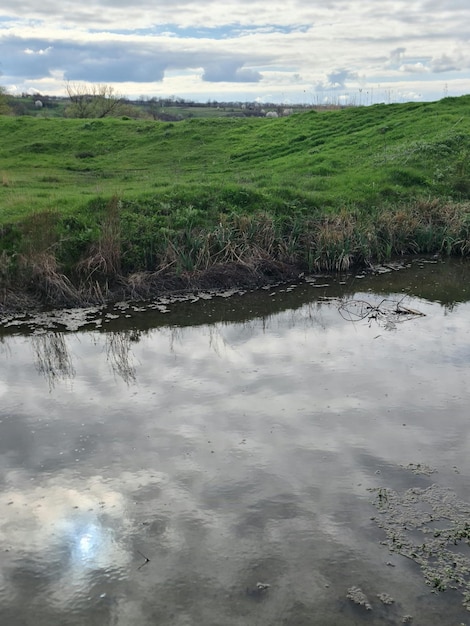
{"x": 297, "y": 455}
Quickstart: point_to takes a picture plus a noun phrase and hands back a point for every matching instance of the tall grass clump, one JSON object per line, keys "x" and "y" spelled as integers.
{"x": 332, "y": 244}
{"x": 424, "y": 226}
{"x": 241, "y": 239}
{"x": 36, "y": 267}
{"x": 104, "y": 258}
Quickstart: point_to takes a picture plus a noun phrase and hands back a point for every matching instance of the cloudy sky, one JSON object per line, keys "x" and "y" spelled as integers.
{"x": 307, "y": 51}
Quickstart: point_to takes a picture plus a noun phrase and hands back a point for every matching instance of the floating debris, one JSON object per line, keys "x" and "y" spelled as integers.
{"x": 66, "y": 319}
{"x": 228, "y": 293}
{"x": 432, "y": 528}
{"x": 387, "y": 312}
{"x": 384, "y": 268}
{"x": 381, "y": 269}
{"x": 359, "y": 597}
{"x": 420, "y": 468}
{"x": 258, "y": 591}
{"x": 385, "y": 598}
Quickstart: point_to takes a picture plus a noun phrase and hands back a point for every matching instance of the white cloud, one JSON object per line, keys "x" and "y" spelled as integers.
{"x": 40, "y": 52}
{"x": 414, "y": 68}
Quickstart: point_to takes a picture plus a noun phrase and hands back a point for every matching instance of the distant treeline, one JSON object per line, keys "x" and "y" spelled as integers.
{"x": 158, "y": 108}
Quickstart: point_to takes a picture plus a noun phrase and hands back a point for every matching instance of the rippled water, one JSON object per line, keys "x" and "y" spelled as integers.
{"x": 156, "y": 467}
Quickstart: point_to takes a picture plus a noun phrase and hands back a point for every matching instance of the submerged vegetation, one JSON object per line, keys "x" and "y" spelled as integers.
{"x": 93, "y": 210}
{"x": 430, "y": 527}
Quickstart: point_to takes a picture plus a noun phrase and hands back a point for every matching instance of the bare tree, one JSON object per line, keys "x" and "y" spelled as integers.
{"x": 155, "y": 107}
{"x": 92, "y": 100}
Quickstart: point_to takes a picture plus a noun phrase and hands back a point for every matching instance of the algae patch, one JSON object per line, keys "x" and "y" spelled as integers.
{"x": 431, "y": 527}
{"x": 420, "y": 469}
{"x": 385, "y": 598}
{"x": 356, "y": 595}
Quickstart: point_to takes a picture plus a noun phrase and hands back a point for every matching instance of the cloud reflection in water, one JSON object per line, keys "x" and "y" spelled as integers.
{"x": 231, "y": 454}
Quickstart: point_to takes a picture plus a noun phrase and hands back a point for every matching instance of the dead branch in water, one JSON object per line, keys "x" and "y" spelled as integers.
{"x": 387, "y": 312}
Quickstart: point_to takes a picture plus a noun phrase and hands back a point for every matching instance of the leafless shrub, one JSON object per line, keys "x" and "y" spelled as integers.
{"x": 92, "y": 100}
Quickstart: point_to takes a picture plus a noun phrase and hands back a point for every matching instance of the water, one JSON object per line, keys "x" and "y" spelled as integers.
{"x": 155, "y": 467}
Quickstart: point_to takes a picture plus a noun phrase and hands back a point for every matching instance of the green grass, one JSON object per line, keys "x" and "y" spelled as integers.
{"x": 362, "y": 171}
{"x": 357, "y": 156}
{"x": 361, "y": 156}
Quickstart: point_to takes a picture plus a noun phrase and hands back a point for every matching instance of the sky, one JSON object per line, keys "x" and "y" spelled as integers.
{"x": 289, "y": 51}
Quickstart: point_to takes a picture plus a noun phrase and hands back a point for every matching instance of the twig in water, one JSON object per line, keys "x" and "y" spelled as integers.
{"x": 386, "y": 312}
{"x": 147, "y": 560}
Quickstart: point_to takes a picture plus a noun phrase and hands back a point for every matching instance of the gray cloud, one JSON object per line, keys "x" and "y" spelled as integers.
{"x": 230, "y": 71}
{"x": 148, "y": 13}
{"x": 444, "y": 63}
{"x": 396, "y": 56}
{"x": 445, "y": 5}
{"x": 336, "y": 80}
{"x": 339, "y": 77}
{"x": 118, "y": 61}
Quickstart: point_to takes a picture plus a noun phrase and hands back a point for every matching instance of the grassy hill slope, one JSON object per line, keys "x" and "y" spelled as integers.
{"x": 323, "y": 189}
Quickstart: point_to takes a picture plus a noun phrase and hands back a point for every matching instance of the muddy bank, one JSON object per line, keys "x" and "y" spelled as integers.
{"x": 50, "y": 289}
{"x": 54, "y": 291}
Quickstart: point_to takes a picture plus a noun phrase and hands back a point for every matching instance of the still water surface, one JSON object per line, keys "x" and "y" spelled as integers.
{"x": 156, "y": 466}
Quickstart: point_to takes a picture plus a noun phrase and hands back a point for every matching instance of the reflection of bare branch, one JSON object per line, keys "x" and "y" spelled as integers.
{"x": 53, "y": 359}
{"x": 6, "y": 348}
{"x": 216, "y": 340}
{"x": 119, "y": 353}
{"x": 176, "y": 336}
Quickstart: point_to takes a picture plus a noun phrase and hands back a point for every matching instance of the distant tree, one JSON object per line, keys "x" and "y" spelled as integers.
{"x": 4, "y": 105}
{"x": 154, "y": 107}
{"x": 131, "y": 110}
{"x": 95, "y": 100}
{"x": 18, "y": 107}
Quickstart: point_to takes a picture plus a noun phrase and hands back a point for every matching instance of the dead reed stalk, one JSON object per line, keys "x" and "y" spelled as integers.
{"x": 104, "y": 260}
{"x": 43, "y": 277}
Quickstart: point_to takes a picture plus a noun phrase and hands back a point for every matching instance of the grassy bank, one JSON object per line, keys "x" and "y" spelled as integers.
{"x": 98, "y": 209}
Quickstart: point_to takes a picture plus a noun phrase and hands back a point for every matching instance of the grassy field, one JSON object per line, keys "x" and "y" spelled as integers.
{"x": 101, "y": 199}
